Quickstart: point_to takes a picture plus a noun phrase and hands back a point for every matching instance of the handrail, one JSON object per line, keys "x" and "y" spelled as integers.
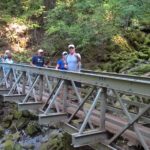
{"x": 83, "y": 70}
{"x": 124, "y": 83}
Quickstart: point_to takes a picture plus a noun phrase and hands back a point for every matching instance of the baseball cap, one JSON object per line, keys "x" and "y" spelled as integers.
{"x": 40, "y": 51}
{"x": 64, "y": 53}
{"x": 7, "y": 51}
{"x": 71, "y": 46}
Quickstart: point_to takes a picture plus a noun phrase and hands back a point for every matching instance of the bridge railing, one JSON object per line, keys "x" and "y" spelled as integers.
{"x": 101, "y": 102}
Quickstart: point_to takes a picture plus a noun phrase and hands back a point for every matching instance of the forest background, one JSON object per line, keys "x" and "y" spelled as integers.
{"x": 111, "y": 35}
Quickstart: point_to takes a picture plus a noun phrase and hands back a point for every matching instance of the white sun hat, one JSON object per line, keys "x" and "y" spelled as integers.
{"x": 71, "y": 46}
{"x": 40, "y": 51}
{"x": 64, "y": 53}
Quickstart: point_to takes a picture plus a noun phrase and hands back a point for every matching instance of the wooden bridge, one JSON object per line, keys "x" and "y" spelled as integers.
{"x": 106, "y": 109}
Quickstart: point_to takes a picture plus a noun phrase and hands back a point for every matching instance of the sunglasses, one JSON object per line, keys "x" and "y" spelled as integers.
{"x": 71, "y": 48}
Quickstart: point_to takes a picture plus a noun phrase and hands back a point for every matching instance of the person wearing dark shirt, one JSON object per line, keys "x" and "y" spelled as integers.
{"x": 61, "y": 63}
{"x": 38, "y": 60}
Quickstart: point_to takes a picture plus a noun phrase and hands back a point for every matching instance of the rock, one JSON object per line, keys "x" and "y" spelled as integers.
{"x": 8, "y": 145}
{"x": 1, "y": 112}
{"x": 22, "y": 123}
{"x": 32, "y": 128}
{"x": 44, "y": 139}
{"x": 17, "y": 147}
{"x": 54, "y": 134}
{"x": 17, "y": 114}
{"x": 8, "y": 118}
{"x": 25, "y": 113}
{"x": 13, "y": 126}
{"x": 55, "y": 142}
{"x": 16, "y": 136}
{"x": 44, "y": 146}
{"x": 33, "y": 116}
{"x": 1, "y": 131}
{"x": 6, "y": 124}
{"x": 28, "y": 146}
{"x": 8, "y": 136}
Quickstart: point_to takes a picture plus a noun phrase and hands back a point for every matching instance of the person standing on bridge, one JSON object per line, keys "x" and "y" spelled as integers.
{"x": 8, "y": 60}
{"x": 61, "y": 63}
{"x": 73, "y": 59}
{"x": 73, "y": 62}
{"x": 5, "y": 56}
{"x": 38, "y": 60}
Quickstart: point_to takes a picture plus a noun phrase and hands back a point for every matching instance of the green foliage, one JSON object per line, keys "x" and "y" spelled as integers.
{"x": 21, "y": 11}
{"x": 11, "y": 6}
{"x": 91, "y": 24}
{"x": 141, "y": 69}
{"x": 17, "y": 7}
{"x": 24, "y": 56}
{"x": 108, "y": 33}
{"x": 81, "y": 23}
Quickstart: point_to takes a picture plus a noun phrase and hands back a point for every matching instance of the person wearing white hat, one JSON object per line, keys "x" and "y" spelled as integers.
{"x": 61, "y": 63}
{"x": 73, "y": 59}
{"x": 8, "y": 60}
{"x": 7, "y": 52}
{"x": 73, "y": 64}
{"x": 38, "y": 60}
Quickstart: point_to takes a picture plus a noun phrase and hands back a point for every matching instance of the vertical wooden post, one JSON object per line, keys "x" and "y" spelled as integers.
{"x": 41, "y": 87}
{"x": 103, "y": 108}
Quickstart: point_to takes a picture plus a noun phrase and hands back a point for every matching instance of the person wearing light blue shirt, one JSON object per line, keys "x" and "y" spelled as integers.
{"x": 73, "y": 62}
{"x": 8, "y": 60}
{"x": 73, "y": 59}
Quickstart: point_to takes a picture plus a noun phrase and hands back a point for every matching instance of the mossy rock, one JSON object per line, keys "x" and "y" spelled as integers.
{"x": 28, "y": 147}
{"x": 22, "y": 123}
{"x": 32, "y": 128}
{"x": 54, "y": 143}
{"x": 16, "y": 136}
{"x": 54, "y": 134}
{"x": 9, "y": 145}
{"x": 45, "y": 146}
{"x": 33, "y": 116}
{"x": 8, "y": 118}
{"x": 13, "y": 126}
{"x": 6, "y": 124}
{"x": 25, "y": 113}
{"x": 17, "y": 147}
{"x": 17, "y": 114}
{"x": 8, "y": 136}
